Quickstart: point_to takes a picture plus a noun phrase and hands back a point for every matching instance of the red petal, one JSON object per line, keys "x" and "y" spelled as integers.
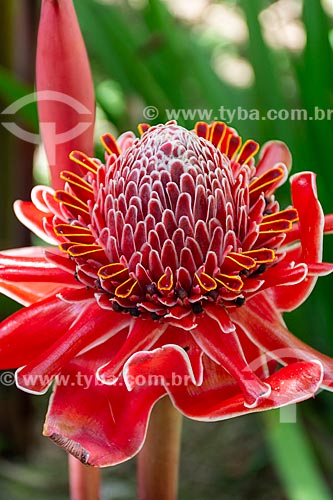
{"x": 110, "y": 144}
{"x": 284, "y": 274}
{"x": 294, "y": 234}
{"x": 289, "y": 385}
{"x": 311, "y": 225}
{"x": 264, "y": 326}
{"x": 91, "y": 325}
{"x": 217, "y": 132}
{"x": 294, "y": 254}
{"x": 126, "y": 140}
{"x": 268, "y": 182}
{"x": 179, "y": 337}
{"x": 311, "y": 217}
{"x": 219, "y": 314}
{"x": 225, "y": 349}
{"x": 248, "y": 150}
{"x": 143, "y": 334}
{"x": 202, "y": 129}
{"x": 116, "y": 431}
{"x": 24, "y": 255}
{"x": 153, "y": 364}
{"x": 217, "y": 398}
{"x": 29, "y": 293}
{"x": 27, "y": 333}
{"x": 271, "y": 153}
{"x": 328, "y": 226}
{"x": 48, "y": 273}
{"x": 33, "y": 219}
{"x": 36, "y": 276}
{"x": 60, "y": 39}
{"x": 259, "y": 361}
{"x": 320, "y": 269}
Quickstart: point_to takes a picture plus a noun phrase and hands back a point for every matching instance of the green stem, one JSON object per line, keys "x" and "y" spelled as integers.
{"x": 158, "y": 461}
{"x": 84, "y": 480}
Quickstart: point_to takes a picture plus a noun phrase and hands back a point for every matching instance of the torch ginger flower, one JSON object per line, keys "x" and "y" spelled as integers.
{"x": 174, "y": 264}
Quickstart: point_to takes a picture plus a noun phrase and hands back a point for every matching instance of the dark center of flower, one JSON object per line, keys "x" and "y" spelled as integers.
{"x": 176, "y": 220}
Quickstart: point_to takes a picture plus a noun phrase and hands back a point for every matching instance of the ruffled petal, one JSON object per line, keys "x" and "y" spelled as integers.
{"x": 292, "y": 384}
{"x": 170, "y": 366}
{"x": 29, "y": 332}
{"x": 184, "y": 339}
{"x": 99, "y": 424}
{"x": 226, "y": 350}
{"x": 91, "y": 325}
{"x": 152, "y": 364}
{"x": 218, "y": 397}
{"x": 311, "y": 225}
{"x": 142, "y": 335}
{"x": 260, "y": 362}
{"x": 265, "y": 327}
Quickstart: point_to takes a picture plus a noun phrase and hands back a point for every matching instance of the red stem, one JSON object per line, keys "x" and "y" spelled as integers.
{"x": 84, "y": 480}
{"x": 158, "y": 461}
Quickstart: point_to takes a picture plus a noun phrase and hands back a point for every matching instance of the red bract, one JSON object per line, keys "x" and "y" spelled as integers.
{"x": 174, "y": 264}
{"x": 66, "y": 102}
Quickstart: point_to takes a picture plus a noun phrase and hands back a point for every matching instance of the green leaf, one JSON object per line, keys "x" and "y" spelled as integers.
{"x": 11, "y": 90}
{"x": 118, "y": 52}
{"x": 294, "y": 458}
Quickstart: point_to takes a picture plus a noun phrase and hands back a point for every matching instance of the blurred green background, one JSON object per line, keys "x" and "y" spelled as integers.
{"x": 197, "y": 55}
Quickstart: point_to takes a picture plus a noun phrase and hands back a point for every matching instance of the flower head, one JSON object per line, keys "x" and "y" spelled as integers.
{"x": 171, "y": 224}
{"x": 174, "y": 263}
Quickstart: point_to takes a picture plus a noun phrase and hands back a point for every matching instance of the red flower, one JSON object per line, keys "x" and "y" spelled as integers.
{"x": 174, "y": 265}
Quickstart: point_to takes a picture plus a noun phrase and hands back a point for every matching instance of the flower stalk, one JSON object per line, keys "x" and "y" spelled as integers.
{"x": 84, "y": 480}
{"x": 158, "y": 461}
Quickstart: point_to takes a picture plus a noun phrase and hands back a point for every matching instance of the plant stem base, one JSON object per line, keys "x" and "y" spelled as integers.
{"x": 84, "y": 480}
{"x": 158, "y": 461}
